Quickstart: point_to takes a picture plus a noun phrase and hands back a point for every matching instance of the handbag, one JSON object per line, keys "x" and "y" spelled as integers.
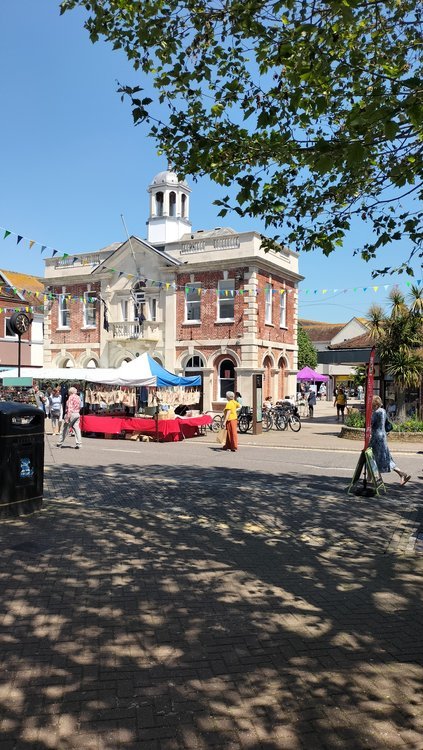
{"x": 388, "y": 425}
{"x": 221, "y": 436}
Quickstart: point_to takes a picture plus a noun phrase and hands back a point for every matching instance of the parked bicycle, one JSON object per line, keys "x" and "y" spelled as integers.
{"x": 245, "y": 420}
{"x": 286, "y": 414}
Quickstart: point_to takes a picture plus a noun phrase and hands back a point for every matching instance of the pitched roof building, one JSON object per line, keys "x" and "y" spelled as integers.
{"x": 209, "y": 301}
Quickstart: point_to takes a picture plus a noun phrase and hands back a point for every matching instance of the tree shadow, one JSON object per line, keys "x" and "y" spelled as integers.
{"x": 189, "y": 607}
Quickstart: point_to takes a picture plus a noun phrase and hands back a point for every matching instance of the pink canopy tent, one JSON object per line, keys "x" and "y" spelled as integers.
{"x": 308, "y": 374}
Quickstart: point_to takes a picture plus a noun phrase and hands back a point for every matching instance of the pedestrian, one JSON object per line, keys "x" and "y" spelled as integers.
{"x": 231, "y": 422}
{"x": 322, "y": 392}
{"x": 379, "y": 443}
{"x": 71, "y": 418}
{"x": 340, "y": 401}
{"x": 360, "y": 392}
{"x": 311, "y": 403}
{"x": 39, "y": 398}
{"x": 55, "y": 402}
{"x": 268, "y": 404}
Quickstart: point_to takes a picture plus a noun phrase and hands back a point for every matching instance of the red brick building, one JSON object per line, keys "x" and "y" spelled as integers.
{"x": 209, "y": 301}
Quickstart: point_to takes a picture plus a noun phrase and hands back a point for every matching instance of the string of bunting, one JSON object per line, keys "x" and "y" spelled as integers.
{"x": 220, "y": 293}
{"x": 188, "y": 289}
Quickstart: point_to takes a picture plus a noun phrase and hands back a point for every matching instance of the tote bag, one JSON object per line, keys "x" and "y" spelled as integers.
{"x": 221, "y": 436}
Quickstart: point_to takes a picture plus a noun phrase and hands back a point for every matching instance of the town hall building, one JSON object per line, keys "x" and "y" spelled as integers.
{"x": 207, "y": 302}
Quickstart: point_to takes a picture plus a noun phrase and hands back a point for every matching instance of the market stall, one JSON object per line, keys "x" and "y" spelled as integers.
{"x": 139, "y": 397}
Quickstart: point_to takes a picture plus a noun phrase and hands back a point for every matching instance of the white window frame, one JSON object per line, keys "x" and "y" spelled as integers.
{"x": 9, "y": 337}
{"x": 64, "y": 312}
{"x": 222, "y": 286}
{"x": 153, "y": 309}
{"x": 87, "y": 306}
{"x": 282, "y": 310}
{"x": 194, "y": 304}
{"x": 268, "y": 305}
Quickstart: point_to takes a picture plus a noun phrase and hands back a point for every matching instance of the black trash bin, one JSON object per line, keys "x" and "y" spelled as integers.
{"x": 21, "y": 458}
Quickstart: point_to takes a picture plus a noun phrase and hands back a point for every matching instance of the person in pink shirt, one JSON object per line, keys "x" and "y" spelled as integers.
{"x": 71, "y": 418}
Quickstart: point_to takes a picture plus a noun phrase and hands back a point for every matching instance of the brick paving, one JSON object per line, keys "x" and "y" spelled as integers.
{"x": 157, "y": 605}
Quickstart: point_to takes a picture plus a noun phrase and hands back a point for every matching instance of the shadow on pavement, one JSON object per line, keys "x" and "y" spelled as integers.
{"x": 178, "y": 607}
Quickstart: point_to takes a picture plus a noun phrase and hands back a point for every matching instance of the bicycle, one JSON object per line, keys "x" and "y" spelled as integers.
{"x": 288, "y": 415}
{"x": 245, "y": 420}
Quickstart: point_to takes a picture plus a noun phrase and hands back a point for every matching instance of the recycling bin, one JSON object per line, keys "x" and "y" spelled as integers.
{"x": 21, "y": 458}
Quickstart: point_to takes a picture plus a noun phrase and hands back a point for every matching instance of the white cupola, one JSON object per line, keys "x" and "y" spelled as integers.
{"x": 169, "y": 209}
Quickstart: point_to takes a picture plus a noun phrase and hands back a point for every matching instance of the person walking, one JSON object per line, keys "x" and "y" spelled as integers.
{"x": 231, "y": 422}
{"x": 311, "y": 403}
{"x": 379, "y": 443}
{"x": 71, "y": 419}
{"x": 340, "y": 401}
{"x": 55, "y": 402}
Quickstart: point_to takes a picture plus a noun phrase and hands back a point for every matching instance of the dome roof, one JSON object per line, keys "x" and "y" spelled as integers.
{"x": 167, "y": 177}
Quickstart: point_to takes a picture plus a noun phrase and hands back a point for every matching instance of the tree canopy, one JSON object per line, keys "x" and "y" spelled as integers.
{"x": 307, "y": 355}
{"x": 311, "y": 109}
{"x": 398, "y": 336}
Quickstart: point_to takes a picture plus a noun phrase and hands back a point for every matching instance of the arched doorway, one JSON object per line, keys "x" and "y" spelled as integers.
{"x": 194, "y": 366}
{"x": 267, "y": 377}
{"x": 226, "y": 378}
{"x": 282, "y": 378}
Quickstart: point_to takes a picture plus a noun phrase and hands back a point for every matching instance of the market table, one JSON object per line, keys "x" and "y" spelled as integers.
{"x": 168, "y": 430}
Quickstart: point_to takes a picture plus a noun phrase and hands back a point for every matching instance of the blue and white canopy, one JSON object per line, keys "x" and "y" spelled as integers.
{"x": 141, "y": 371}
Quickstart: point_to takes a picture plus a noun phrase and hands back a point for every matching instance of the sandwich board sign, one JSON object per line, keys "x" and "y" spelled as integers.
{"x": 372, "y": 483}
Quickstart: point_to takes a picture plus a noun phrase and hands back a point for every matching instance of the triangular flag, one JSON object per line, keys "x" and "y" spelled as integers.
{"x": 54, "y": 253}
{"x": 19, "y": 239}
{"x": 31, "y": 243}
{"x": 375, "y": 288}
{"x": 43, "y": 248}
{"x": 324, "y": 291}
{"x": 66, "y": 255}
{"x": 6, "y": 234}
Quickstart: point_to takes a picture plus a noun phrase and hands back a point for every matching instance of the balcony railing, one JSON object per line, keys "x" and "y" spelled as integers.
{"x": 132, "y": 329}
{"x": 210, "y": 244}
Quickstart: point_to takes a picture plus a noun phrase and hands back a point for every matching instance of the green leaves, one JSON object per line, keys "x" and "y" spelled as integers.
{"x": 320, "y": 102}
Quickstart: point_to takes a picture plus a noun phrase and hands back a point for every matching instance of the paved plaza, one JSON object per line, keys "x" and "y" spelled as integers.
{"x": 175, "y": 597}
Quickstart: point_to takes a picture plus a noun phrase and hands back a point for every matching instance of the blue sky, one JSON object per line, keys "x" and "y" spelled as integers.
{"x": 72, "y": 162}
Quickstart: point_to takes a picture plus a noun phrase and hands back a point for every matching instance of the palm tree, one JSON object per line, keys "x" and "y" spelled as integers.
{"x": 398, "y": 338}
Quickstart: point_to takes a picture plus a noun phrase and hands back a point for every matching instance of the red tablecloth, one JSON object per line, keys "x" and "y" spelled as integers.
{"x": 170, "y": 430}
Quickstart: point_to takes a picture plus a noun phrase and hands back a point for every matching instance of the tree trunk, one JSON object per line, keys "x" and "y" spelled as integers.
{"x": 400, "y": 402}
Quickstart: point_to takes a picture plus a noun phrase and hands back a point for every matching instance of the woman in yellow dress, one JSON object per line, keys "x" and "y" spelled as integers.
{"x": 231, "y": 422}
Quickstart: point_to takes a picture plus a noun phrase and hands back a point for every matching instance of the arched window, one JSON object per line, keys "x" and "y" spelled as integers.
{"x": 91, "y": 363}
{"x": 226, "y": 377}
{"x": 183, "y": 205}
{"x": 195, "y": 363}
{"x": 67, "y": 363}
{"x": 172, "y": 204}
{"x": 159, "y": 204}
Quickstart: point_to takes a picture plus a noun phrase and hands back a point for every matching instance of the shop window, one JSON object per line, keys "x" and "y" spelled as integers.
{"x": 64, "y": 312}
{"x": 172, "y": 204}
{"x": 193, "y": 303}
{"x": 159, "y": 204}
{"x": 226, "y": 299}
{"x": 90, "y": 309}
{"x": 282, "y": 310}
{"x": 226, "y": 377}
{"x": 268, "y": 305}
